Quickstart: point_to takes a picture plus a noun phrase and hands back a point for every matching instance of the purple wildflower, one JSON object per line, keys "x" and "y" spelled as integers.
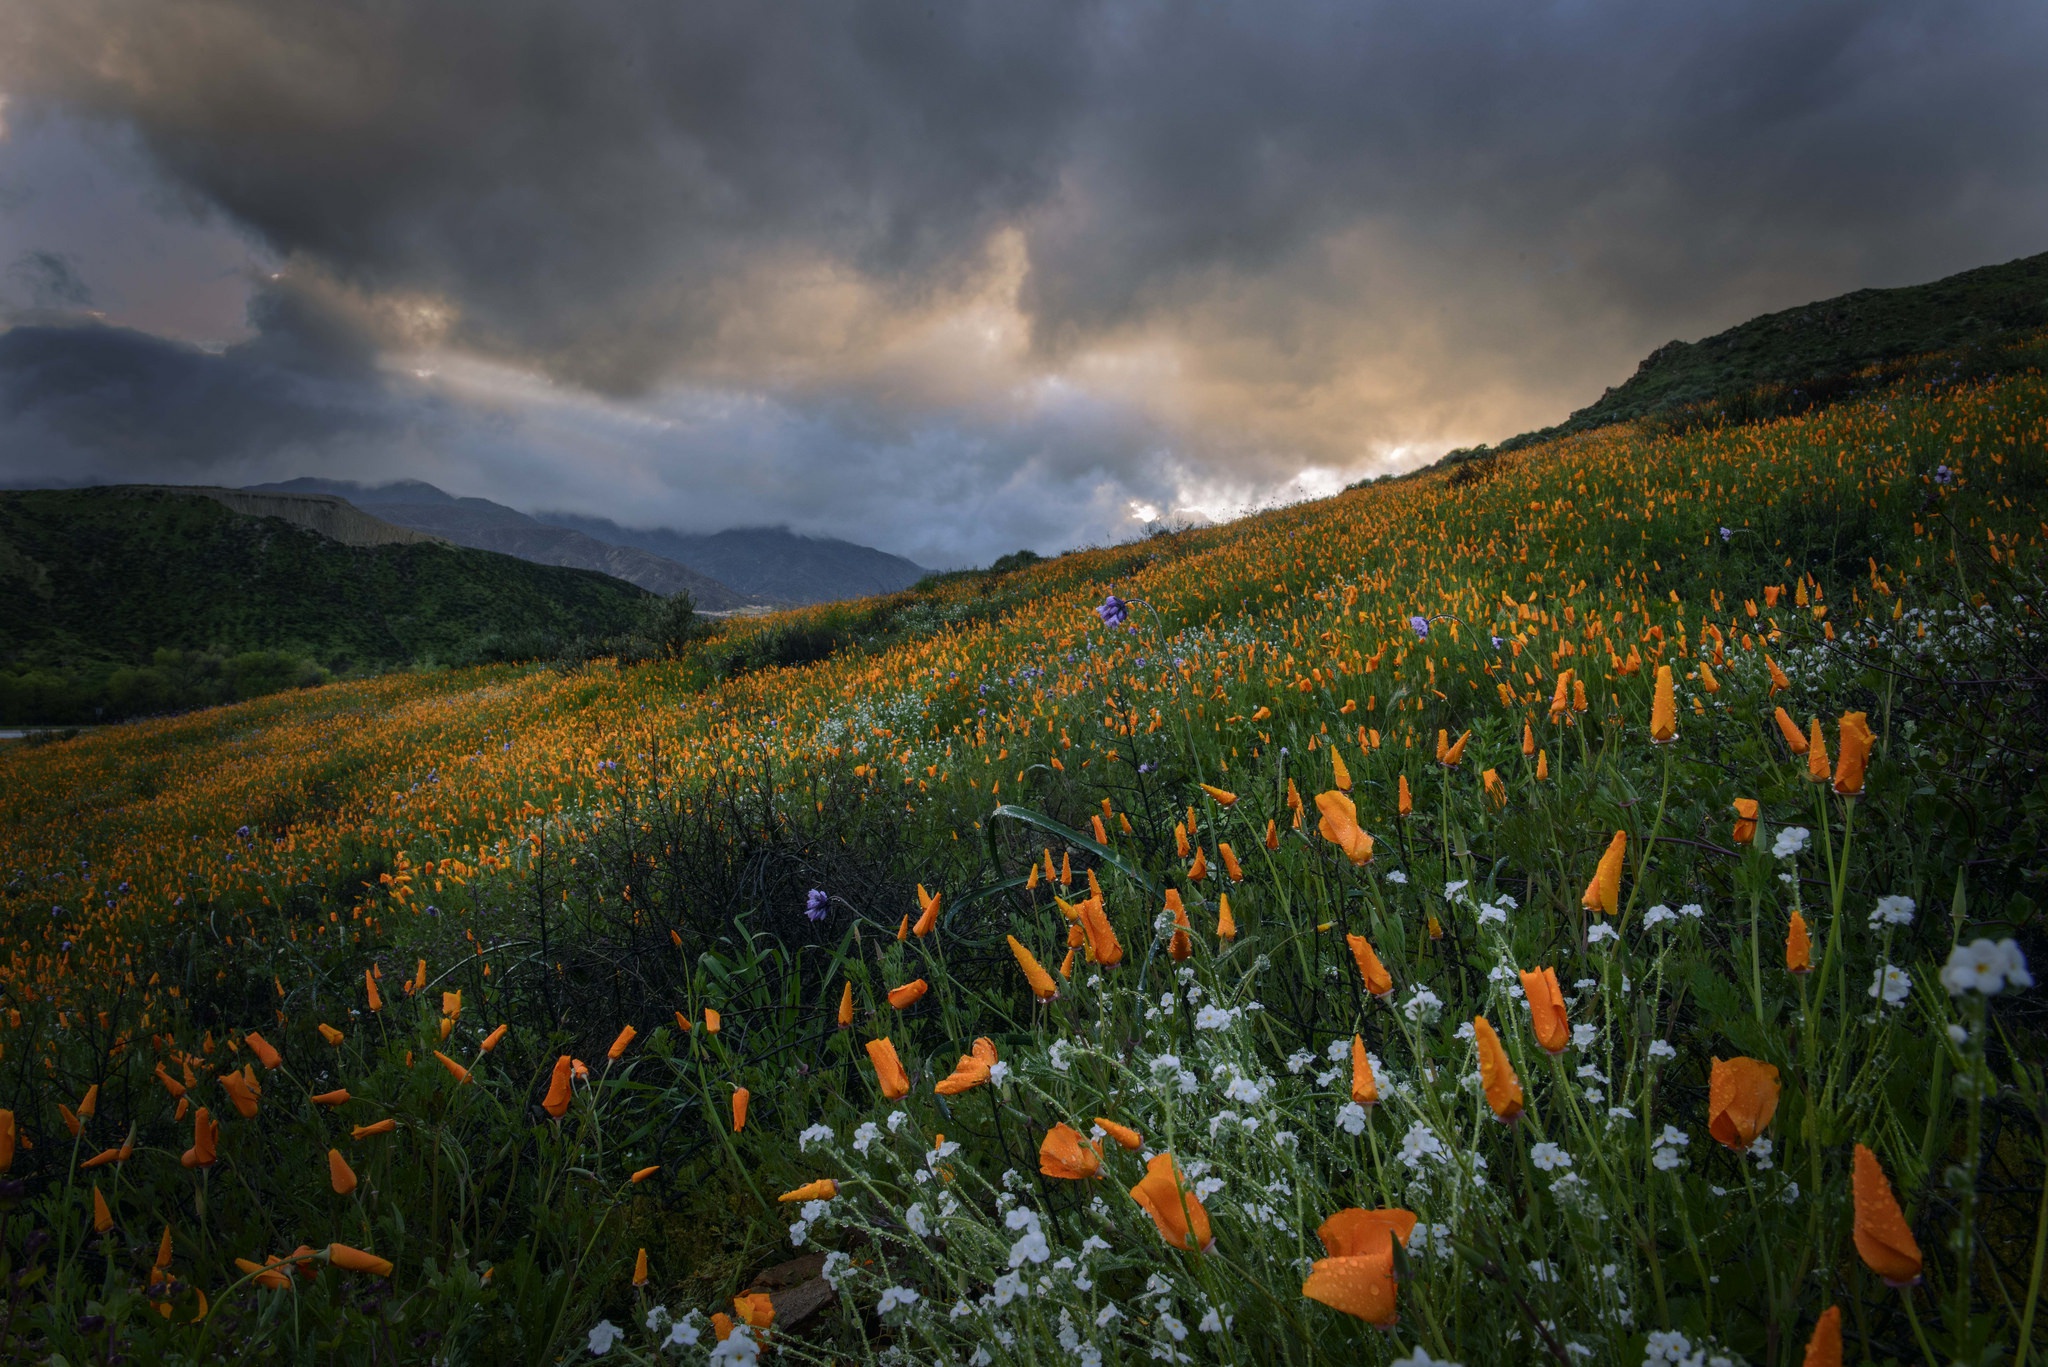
{"x": 1421, "y": 626}
{"x": 1114, "y": 611}
{"x": 814, "y": 904}
{"x": 1727, "y": 534}
{"x": 1942, "y": 474}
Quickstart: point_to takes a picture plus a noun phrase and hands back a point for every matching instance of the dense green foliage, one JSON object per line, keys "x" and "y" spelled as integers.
{"x": 118, "y": 602}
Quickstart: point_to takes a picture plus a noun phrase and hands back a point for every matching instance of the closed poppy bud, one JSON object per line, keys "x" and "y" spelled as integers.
{"x": 1365, "y": 1088}
{"x": 1230, "y": 864}
{"x": 102, "y": 1158}
{"x": 846, "y": 1006}
{"x": 1542, "y": 765}
{"x": 1199, "y": 870}
{"x": 102, "y": 1218}
{"x": 1745, "y": 820}
{"x": 1180, "y": 839}
{"x": 1824, "y": 1349}
{"x": 640, "y": 1269}
{"x": 1528, "y": 739}
{"x": 740, "y": 1097}
{"x": 205, "y": 1138}
{"x": 70, "y": 1119}
{"x": 722, "y": 1325}
{"x": 1339, "y": 774}
{"x": 370, "y": 987}
{"x": 903, "y": 931}
{"x": 1272, "y": 834}
{"x": 1603, "y": 894}
{"x": 339, "y": 1174}
{"x": 1742, "y": 1096}
{"x": 1855, "y": 740}
{"x": 1817, "y": 767}
{"x": 451, "y": 1005}
{"x": 712, "y": 1021}
{"x": 1496, "y": 790}
{"x": 495, "y": 1038}
{"x": 622, "y": 1043}
{"x": 330, "y": 1034}
{"x": 356, "y": 1260}
{"x": 1339, "y": 826}
{"x": 1377, "y": 980}
{"x": 1707, "y": 680}
{"x": 238, "y": 1090}
{"x": 556, "y": 1102}
{"x": 928, "y": 917}
{"x": 1180, "y": 946}
{"x": 1226, "y": 924}
{"x": 1778, "y": 680}
{"x": 1066, "y": 1155}
{"x": 1103, "y": 946}
{"x": 1546, "y": 1010}
{"x": 1436, "y": 927}
{"x": 269, "y": 1278}
{"x": 1124, "y": 1135}
{"x": 1168, "y": 1198}
{"x": 171, "y": 1084}
{"x": 455, "y": 1070}
{"x": 1579, "y": 703}
{"x": 1221, "y": 797}
{"x": 90, "y": 1102}
{"x": 824, "y": 1189}
{"x": 337, "y": 1097}
{"x": 642, "y": 1174}
{"x": 373, "y": 1129}
{"x": 969, "y": 1073}
{"x": 1798, "y": 946}
{"x": 904, "y": 997}
{"x": 1663, "y": 709}
{"x": 1795, "y": 739}
{"x": 895, "y": 1083}
{"x": 1404, "y": 801}
{"x": 1453, "y": 756}
{"x": 1561, "y": 700}
{"x": 1042, "y": 985}
{"x": 1496, "y": 1074}
{"x": 1883, "y": 1239}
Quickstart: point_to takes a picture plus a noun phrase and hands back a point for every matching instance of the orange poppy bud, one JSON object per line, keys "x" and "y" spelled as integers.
{"x": 330, "y": 1034}
{"x": 846, "y": 1005}
{"x": 1365, "y": 1088}
{"x": 1856, "y": 740}
{"x": 895, "y": 1083}
{"x": 1883, "y": 1239}
{"x": 102, "y": 1218}
{"x": 1456, "y": 753}
{"x": 969, "y": 1073}
{"x": 1066, "y": 868}
{"x": 1707, "y": 680}
{"x": 373, "y": 1129}
{"x": 1742, "y": 1096}
{"x": 1377, "y": 980}
{"x": 1603, "y": 894}
{"x": 90, "y": 1102}
{"x": 1066, "y": 1155}
{"x": 1340, "y": 827}
{"x": 1496, "y": 1074}
{"x": 903, "y": 931}
{"x": 1358, "y": 1276}
{"x": 1222, "y": 798}
{"x": 908, "y": 995}
{"x": 1542, "y": 765}
{"x": 205, "y": 1139}
{"x": 643, "y": 1174}
{"x": 1496, "y": 790}
{"x": 1663, "y": 709}
{"x": 1339, "y": 774}
{"x": 338, "y": 1097}
{"x": 455, "y": 1070}
{"x": 1230, "y": 864}
{"x": 824, "y": 1189}
{"x": 1180, "y": 946}
{"x": 712, "y": 1020}
{"x": 1816, "y": 754}
{"x": 1199, "y": 870}
{"x": 1579, "y": 703}
{"x": 928, "y": 917}
{"x": 339, "y": 1174}
{"x": 355, "y": 1260}
{"x": 1824, "y": 1349}
{"x": 1798, "y": 946}
{"x": 1226, "y": 924}
{"x": 1795, "y": 739}
{"x": 171, "y": 1084}
{"x": 1122, "y": 1134}
{"x": 622, "y": 1043}
{"x": 1042, "y": 985}
{"x": 1547, "y": 1016}
{"x": 101, "y": 1159}
{"x": 757, "y": 1308}
{"x": 495, "y": 1038}
{"x": 451, "y": 1005}
{"x": 1272, "y": 834}
{"x": 722, "y": 1325}
{"x": 740, "y": 1097}
{"x": 376, "y": 998}
{"x": 640, "y": 1269}
{"x": 8, "y": 1138}
{"x": 1746, "y": 810}
{"x": 1180, "y": 839}
{"x": 1166, "y": 1195}
{"x": 269, "y": 1278}
{"x": 1067, "y": 963}
{"x": 70, "y": 1119}
{"x": 1528, "y": 739}
{"x": 1404, "y": 801}
{"x": 1561, "y": 699}
{"x": 1103, "y": 946}
{"x": 1778, "y": 680}
{"x": 1436, "y": 927}
{"x": 238, "y": 1090}
{"x": 556, "y": 1102}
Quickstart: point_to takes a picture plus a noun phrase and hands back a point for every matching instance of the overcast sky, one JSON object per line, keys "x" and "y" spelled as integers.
{"x": 946, "y": 277}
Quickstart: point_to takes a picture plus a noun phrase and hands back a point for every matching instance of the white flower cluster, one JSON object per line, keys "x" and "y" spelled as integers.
{"x": 1986, "y": 967}
{"x": 1892, "y": 911}
{"x": 1667, "y": 1155}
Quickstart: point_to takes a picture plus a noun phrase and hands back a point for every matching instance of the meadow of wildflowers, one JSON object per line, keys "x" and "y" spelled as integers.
{"x": 1572, "y": 910}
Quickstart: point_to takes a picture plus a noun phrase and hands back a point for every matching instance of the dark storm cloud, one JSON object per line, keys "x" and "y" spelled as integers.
{"x": 1239, "y": 239}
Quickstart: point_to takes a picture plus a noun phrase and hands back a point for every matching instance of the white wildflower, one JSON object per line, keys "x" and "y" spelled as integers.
{"x": 1986, "y": 967}
{"x": 1549, "y": 1157}
{"x": 1351, "y": 1118}
{"x": 895, "y": 1296}
{"x": 1890, "y": 982}
{"x": 816, "y": 1134}
{"x": 602, "y": 1336}
{"x": 1790, "y": 842}
{"x": 1892, "y": 911}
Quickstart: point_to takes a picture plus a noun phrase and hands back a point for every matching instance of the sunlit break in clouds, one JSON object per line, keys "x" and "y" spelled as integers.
{"x": 950, "y": 280}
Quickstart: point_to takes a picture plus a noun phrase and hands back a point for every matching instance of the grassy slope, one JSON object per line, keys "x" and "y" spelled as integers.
{"x": 878, "y": 768}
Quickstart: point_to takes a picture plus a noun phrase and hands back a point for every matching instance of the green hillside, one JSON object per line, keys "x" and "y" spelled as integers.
{"x": 129, "y": 600}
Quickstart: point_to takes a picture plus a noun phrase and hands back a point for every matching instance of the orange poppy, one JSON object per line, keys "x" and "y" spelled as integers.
{"x": 265, "y": 1055}
{"x": 1340, "y": 827}
{"x": 757, "y": 1308}
{"x": 740, "y": 1097}
{"x": 1742, "y": 1096}
{"x": 1883, "y": 1240}
{"x": 622, "y": 1043}
{"x": 1795, "y": 739}
{"x": 1124, "y": 1135}
{"x": 1824, "y": 1349}
{"x": 1496, "y": 790}
{"x": 1663, "y": 710}
{"x": 1169, "y": 1199}
{"x": 1199, "y": 870}
{"x": 1339, "y": 774}
{"x": 928, "y": 912}
{"x": 1798, "y": 946}
{"x": 1746, "y": 810}
{"x": 495, "y": 1038}
{"x": 1603, "y": 893}
{"x": 355, "y": 1260}
{"x": 1103, "y": 946}
{"x": 1546, "y": 1010}
{"x": 1365, "y": 1088}
{"x": 1221, "y": 797}
{"x": 102, "y": 1218}
{"x": 240, "y": 1092}
{"x": 889, "y": 1072}
{"x": 1226, "y": 924}
{"x": 1856, "y": 740}
{"x": 1378, "y": 981}
{"x": 556, "y": 1102}
{"x": 1230, "y": 864}
{"x": 908, "y": 995}
{"x": 1496, "y": 1074}
{"x": 640, "y": 1269}
{"x": 712, "y": 1021}
{"x": 373, "y": 1129}
{"x": 846, "y": 1006}
{"x": 1817, "y": 754}
{"x": 969, "y": 1073}
{"x": 340, "y": 1175}
{"x": 642, "y": 1174}
{"x": 455, "y": 1070}
{"x": 1066, "y": 1155}
{"x": 1181, "y": 946}
{"x": 1042, "y": 985}
{"x": 824, "y": 1189}
{"x": 205, "y": 1140}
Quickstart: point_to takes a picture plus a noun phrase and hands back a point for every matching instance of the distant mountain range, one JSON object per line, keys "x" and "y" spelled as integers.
{"x": 763, "y": 566}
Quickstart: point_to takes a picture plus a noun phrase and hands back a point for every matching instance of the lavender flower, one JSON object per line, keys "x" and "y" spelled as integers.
{"x": 1942, "y": 474}
{"x": 1421, "y": 626}
{"x": 1727, "y": 534}
{"x": 1114, "y": 611}
{"x": 814, "y": 904}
